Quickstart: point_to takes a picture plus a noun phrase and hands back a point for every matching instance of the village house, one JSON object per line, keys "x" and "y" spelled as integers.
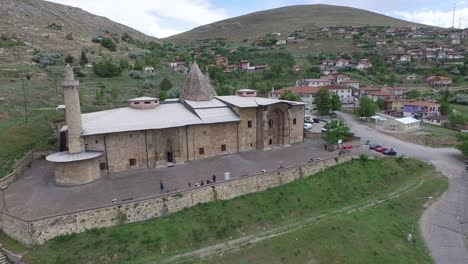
{"x": 244, "y": 64}
{"x": 313, "y": 82}
{"x": 437, "y": 120}
{"x": 379, "y": 95}
{"x": 178, "y": 66}
{"x": 231, "y": 68}
{"x": 363, "y": 64}
{"x": 221, "y": 60}
{"x": 396, "y": 91}
{"x": 421, "y": 109}
{"x": 438, "y": 81}
{"x": 404, "y": 58}
{"x": 364, "y": 91}
{"x": 341, "y": 78}
{"x": 393, "y": 104}
{"x": 150, "y": 133}
{"x": 306, "y": 93}
{"x": 341, "y": 63}
{"x": 351, "y": 84}
{"x": 281, "y": 42}
{"x": 345, "y": 93}
{"x": 329, "y": 71}
{"x": 402, "y": 124}
{"x": 149, "y": 70}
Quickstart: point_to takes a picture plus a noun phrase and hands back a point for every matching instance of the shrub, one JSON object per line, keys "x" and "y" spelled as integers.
{"x": 69, "y": 36}
{"x": 109, "y": 44}
{"x": 107, "y": 68}
{"x": 363, "y": 157}
{"x": 147, "y": 84}
{"x": 135, "y": 74}
{"x": 47, "y": 58}
{"x": 69, "y": 59}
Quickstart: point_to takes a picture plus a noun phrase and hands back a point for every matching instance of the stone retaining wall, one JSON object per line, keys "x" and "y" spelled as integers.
{"x": 39, "y": 231}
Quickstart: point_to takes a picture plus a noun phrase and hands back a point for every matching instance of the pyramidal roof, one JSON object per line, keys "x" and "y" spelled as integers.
{"x": 197, "y": 87}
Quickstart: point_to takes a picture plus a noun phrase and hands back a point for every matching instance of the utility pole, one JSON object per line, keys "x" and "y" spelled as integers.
{"x": 25, "y": 102}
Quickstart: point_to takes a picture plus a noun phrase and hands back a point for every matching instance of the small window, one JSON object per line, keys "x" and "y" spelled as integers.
{"x": 103, "y": 166}
{"x": 294, "y": 121}
{"x": 223, "y": 147}
{"x": 97, "y": 141}
{"x": 201, "y": 151}
{"x": 249, "y": 123}
{"x": 270, "y": 142}
{"x": 136, "y": 102}
{"x": 132, "y": 162}
{"x": 270, "y": 123}
{"x": 251, "y": 145}
{"x": 147, "y": 102}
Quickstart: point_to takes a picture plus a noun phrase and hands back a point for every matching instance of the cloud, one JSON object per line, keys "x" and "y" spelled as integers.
{"x": 159, "y": 18}
{"x": 436, "y": 18}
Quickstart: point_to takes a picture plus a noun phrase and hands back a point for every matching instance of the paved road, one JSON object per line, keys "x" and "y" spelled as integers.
{"x": 444, "y": 225}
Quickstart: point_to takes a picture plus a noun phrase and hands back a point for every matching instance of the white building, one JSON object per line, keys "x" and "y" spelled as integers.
{"x": 306, "y": 93}
{"x": 345, "y": 93}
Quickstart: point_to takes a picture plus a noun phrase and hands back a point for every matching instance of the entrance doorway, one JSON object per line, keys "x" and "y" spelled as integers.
{"x": 169, "y": 157}
{"x": 275, "y": 127}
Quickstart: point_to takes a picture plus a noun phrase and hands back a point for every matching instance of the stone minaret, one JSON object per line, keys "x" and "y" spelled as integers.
{"x": 72, "y": 112}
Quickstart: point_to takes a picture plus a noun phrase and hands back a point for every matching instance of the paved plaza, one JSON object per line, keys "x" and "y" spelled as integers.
{"x": 35, "y": 194}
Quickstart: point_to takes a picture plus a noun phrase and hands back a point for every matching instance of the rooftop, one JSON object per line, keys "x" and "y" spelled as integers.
{"x": 408, "y": 120}
{"x": 422, "y": 104}
{"x": 197, "y": 87}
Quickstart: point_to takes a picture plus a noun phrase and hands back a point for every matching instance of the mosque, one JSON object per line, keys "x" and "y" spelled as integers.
{"x": 150, "y": 133}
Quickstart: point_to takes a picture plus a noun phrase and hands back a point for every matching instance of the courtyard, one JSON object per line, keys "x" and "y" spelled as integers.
{"x": 35, "y": 194}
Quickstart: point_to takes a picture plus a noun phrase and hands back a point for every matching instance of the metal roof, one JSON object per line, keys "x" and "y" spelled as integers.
{"x": 64, "y": 156}
{"x": 143, "y": 98}
{"x": 242, "y": 102}
{"x": 217, "y": 115}
{"x": 206, "y": 104}
{"x": 407, "y": 120}
{"x": 131, "y": 119}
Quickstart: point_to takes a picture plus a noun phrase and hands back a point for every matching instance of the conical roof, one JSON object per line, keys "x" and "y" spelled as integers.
{"x": 197, "y": 87}
{"x": 69, "y": 76}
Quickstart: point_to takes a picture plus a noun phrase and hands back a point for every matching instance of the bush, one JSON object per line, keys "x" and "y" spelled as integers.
{"x": 45, "y": 59}
{"x": 363, "y": 157}
{"x": 107, "y": 68}
{"x": 69, "y": 59}
{"x": 109, "y": 44}
{"x": 135, "y": 75}
{"x": 147, "y": 84}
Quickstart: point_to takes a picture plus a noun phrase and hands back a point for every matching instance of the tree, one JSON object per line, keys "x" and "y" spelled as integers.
{"x": 367, "y": 107}
{"x": 456, "y": 119}
{"x": 165, "y": 85}
{"x": 445, "y": 108}
{"x": 139, "y": 65}
{"x": 335, "y": 103}
{"x": 83, "y": 59}
{"x": 322, "y": 101}
{"x": 109, "y": 44}
{"x": 290, "y": 96}
{"x": 337, "y": 130}
{"x": 380, "y": 104}
{"x": 463, "y": 143}
{"x": 162, "y": 95}
{"x": 69, "y": 59}
{"x": 106, "y": 69}
{"x": 124, "y": 65}
{"x": 412, "y": 94}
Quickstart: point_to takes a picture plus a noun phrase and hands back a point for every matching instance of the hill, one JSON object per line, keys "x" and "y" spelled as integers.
{"x": 288, "y": 19}
{"x": 45, "y": 25}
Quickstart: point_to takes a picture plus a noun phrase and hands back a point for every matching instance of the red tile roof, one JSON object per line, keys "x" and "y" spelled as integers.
{"x": 299, "y": 90}
{"x": 380, "y": 93}
{"x": 422, "y": 103}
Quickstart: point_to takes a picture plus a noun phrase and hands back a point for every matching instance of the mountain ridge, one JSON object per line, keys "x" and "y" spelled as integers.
{"x": 288, "y": 19}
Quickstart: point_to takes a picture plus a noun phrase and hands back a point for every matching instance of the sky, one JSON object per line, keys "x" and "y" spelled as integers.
{"x": 163, "y": 18}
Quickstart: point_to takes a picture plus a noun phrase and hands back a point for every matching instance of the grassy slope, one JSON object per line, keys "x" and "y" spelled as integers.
{"x": 376, "y": 235}
{"x": 210, "y": 223}
{"x": 17, "y": 137}
{"x": 286, "y": 20}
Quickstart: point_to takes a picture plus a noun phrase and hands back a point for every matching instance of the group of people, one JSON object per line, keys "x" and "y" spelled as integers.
{"x": 213, "y": 180}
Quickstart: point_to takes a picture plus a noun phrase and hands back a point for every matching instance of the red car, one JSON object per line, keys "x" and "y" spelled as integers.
{"x": 347, "y": 147}
{"x": 381, "y": 149}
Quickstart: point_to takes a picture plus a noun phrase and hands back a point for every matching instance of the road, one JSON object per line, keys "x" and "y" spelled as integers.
{"x": 444, "y": 224}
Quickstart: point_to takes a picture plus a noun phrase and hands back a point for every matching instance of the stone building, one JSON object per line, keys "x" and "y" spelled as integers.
{"x": 151, "y": 134}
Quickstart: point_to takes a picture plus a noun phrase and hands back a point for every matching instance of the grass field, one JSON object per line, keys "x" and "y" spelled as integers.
{"x": 211, "y": 223}
{"x": 17, "y": 137}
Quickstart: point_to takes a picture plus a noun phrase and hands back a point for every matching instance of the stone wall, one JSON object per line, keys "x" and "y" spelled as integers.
{"x": 40, "y": 230}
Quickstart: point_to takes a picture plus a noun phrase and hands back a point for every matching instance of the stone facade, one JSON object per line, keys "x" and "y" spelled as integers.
{"x": 38, "y": 231}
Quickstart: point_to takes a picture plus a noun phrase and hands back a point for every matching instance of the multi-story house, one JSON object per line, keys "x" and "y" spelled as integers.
{"x": 421, "y": 109}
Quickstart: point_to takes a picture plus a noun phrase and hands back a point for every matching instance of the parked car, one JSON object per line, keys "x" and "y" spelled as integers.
{"x": 307, "y": 126}
{"x": 381, "y": 149}
{"x": 347, "y": 147}
{"x": 323, "y": 119}
{"x": 316, "y": 120}
{"x": 308, "y": 119}
{"x": 324, "y": 130}
{"x": 374, "y": 146}
{"x": 389, "y": 152}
